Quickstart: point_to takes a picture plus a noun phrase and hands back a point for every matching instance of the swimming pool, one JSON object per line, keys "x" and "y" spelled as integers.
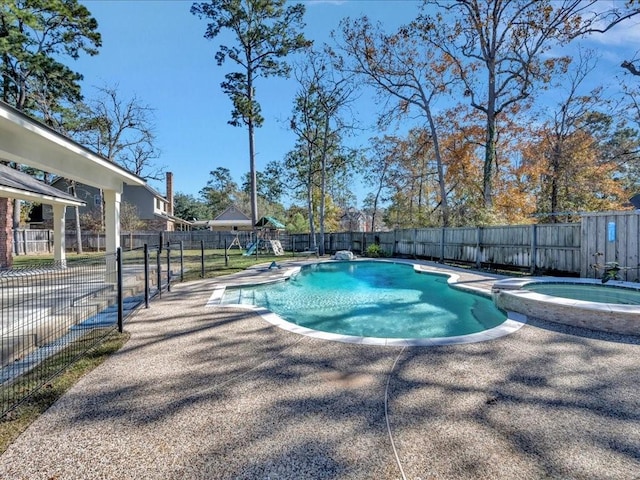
{"x": 373, "y": 299}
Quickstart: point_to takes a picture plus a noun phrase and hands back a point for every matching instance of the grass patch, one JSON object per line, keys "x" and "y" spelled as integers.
{"x": 23, "y": 261}
{"x": 215, "y": 264}
{"x": 16, "y": 421}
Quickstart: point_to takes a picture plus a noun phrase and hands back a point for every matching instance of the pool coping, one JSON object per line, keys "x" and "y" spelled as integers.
{"x": 514, "y": 320}
{"x": 509, "y": 294}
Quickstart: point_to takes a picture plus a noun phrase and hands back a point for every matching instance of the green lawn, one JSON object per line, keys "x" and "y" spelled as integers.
{"x": 216, "y": 265}
{"x": 215, "y": 262}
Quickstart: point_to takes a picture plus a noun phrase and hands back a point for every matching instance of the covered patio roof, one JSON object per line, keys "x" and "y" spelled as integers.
{"x": 28, "y": 142}
{"x": 16, "y": 184}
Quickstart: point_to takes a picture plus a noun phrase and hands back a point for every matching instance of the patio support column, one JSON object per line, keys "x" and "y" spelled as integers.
{"x": 112, "y": 220}
{"x": 59, "y": 217}
{"x": 112, "y": 232}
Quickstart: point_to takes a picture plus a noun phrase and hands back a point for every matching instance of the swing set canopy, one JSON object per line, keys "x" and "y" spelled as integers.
{"x": 270, "y": 222}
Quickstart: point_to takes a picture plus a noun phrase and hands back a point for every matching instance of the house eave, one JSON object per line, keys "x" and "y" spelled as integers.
{"x": 38, "y": 197}
{"x": 25, "y": 140}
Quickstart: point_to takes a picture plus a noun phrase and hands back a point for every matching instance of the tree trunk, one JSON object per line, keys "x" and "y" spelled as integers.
{"x": 323, "y": 181}
{"x": 555, "y": 172}
{"x": 17, "y": 208}
{"x": 489, "y": 160}
{"x": 312, "y": 225}
{"x": 252, "y": 157}
{"x": 444, "y": 203}
{"x": 490, "y": 147}
{"x": 252, "y": 173}
{"x": 323, "y": 187}
{"x": 373, "y": 214}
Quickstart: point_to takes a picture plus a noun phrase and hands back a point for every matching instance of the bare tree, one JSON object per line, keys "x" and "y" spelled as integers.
{"x": 401, "y": 68}
{"x": 123, "y": 132}
{"x": 317, "y": 120}
{"x": 377, "y": 174}
{"x": 499, "y": 48}
{"x": 569, "y": 117}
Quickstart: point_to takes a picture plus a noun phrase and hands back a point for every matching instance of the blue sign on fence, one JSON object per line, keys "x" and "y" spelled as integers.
{"x": 611, "y": 231}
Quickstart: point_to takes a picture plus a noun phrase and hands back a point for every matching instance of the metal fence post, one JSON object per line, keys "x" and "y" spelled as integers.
{"x": 159, "y": 269}
{"x": 226, "y": 254}
{"x": 168, "y": 267}
{"x": 181, "y": 260}
{"x": 146, "y": 276}
{"x": 202, "y": 258}
{"x": 119, "y": 289}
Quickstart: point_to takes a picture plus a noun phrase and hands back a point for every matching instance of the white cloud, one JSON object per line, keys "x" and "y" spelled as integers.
{"x": 625, "y": 35}
{"x": 320, "y": 2}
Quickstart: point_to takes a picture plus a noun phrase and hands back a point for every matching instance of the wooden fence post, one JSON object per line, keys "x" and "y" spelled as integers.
{"x": 534, "y": 247}
{"x": 478, "y": 246}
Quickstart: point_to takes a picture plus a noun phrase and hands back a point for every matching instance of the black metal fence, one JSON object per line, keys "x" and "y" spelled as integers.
{"x": 54, "y": 313}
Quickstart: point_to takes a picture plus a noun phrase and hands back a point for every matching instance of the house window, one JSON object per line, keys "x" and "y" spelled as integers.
{"x": 96, "y": 200}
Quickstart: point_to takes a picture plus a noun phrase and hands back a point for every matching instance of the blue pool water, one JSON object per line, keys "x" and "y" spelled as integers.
{"x": 591, "y": 292}
{"x": 373, "y": 299}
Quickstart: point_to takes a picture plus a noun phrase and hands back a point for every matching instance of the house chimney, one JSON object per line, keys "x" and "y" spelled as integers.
{"x": 169, "y": 177}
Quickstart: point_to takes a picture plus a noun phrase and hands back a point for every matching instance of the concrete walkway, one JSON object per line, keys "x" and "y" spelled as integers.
{"x": 218, "y": 393}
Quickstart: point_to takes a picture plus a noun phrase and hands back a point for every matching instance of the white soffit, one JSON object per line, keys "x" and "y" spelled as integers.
{"x": 28, "y": 142}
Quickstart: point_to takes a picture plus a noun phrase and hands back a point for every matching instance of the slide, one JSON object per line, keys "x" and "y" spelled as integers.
{"x": 251, "y": 249}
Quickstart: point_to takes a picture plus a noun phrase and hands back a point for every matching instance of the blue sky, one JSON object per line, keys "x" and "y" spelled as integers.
{"x": 156, "y": 51}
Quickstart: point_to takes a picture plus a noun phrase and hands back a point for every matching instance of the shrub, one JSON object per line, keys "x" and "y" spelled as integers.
{"x": 374, "y": 251}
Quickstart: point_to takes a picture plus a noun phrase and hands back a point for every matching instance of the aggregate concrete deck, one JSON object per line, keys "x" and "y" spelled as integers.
{"x": 218, "y": 393}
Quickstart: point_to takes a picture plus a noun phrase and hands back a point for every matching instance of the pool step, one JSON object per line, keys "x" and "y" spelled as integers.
{"x": 247, "y": 297}
{"x": 231, "y": 296}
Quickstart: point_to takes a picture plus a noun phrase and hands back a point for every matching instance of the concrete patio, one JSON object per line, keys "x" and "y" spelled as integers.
{"x": 218, "y": 393}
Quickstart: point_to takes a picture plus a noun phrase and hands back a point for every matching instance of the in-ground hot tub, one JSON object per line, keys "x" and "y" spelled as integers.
{"x": 611, "y": 307}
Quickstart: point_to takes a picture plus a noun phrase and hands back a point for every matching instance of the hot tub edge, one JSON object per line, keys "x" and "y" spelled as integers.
{"x": 604, "y": 317}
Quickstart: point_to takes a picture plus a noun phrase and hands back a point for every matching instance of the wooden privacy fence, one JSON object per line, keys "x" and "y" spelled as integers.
{"x": 544, "y": 248}
{"x": 26, "y": 241}
{"x": 610, "y": 237}
{"x": 568, "y": 248}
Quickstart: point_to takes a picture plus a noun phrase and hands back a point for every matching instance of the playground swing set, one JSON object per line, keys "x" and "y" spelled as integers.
{"x": 267, "y": 240}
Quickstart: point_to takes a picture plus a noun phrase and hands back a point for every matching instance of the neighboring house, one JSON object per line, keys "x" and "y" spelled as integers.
{"x": 154, "y": 210}
{"x": 353, "y": 220}
{"x": 232, "y": 219}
